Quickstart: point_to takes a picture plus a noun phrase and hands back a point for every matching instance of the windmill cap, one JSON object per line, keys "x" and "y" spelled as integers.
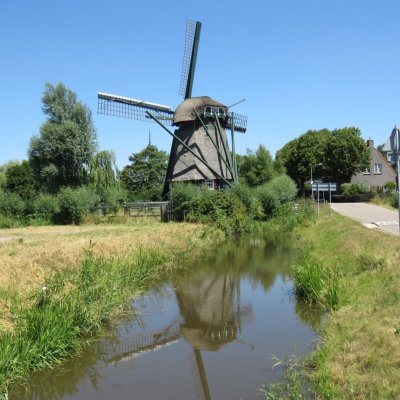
{"x": 184, "y": 112}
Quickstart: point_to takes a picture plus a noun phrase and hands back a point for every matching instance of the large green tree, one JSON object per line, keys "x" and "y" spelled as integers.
{"x": 256, "y": 168}
{"x": 61, "y": 154}
{"x": 298, "y": 155}
{"x": 146, "y": 173}
{"x": 345, "y": 155}
{"x": 342, "y": 153}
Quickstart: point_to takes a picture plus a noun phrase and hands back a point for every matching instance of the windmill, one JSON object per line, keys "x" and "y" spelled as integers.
{"x": 200, "y": 152}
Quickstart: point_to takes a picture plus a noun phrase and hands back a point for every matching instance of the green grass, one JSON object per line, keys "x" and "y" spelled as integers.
{"x": 360, "y": 351}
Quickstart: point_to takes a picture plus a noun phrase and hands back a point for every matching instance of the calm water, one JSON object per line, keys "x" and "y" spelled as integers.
{"x": 209, "y": 333}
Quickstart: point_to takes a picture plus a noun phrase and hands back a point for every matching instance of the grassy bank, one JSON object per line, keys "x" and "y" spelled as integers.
{"x": 60, "y": 285}
{"x": 359, "y": 357}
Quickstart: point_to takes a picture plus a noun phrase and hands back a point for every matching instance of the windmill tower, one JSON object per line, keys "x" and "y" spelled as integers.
{"x": 200, "y": 152}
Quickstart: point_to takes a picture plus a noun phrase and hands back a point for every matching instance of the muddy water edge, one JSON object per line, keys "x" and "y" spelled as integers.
{"x": 209, "y": 333}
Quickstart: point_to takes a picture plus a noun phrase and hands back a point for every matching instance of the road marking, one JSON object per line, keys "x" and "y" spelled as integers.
{"x": 386, "y": 223}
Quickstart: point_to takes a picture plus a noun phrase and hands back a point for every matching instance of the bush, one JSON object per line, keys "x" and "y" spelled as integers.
{"x": 11, "y": 205}
{"x": 74, "y": 203}
{"x": 250, "y": 201}
{"x": 46, "y": 207}
{"x": 350, "y": 189}
{"x": 275, "y": 193}
{"x": 183, "y": 198}
{"x": 224, "y": 209}
{"x": 113, "y": 196}
{"x": 390, "y": 187}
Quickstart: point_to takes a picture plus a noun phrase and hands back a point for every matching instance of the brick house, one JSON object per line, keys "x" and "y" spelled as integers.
{"x": 379, "y": 171}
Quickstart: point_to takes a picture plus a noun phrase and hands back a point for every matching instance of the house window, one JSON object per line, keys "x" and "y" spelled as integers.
{"x": 209, "y": 183}
{"x": 367, "y": 171}
{"x": 377, "y": 169}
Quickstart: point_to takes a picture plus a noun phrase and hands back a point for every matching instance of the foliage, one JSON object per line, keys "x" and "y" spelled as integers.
{"x": 275, "y": 193}
{"x": 61, "y": 154}
{"x": 11, "y": 205}
{"x": 103, "y": 172}
{"x": 342, "y": 153}
{"x": 74, "y": 203}
{"x": 256, "y": 168}
{"x": 46, "y": 206}
{"x": 183, "y": 198}
{"x": 3, "y": 180}
{"x": 250, "y": 200}
{"x": 390, "y": 187}
{"x": 224, "y": 209}
{"x": 113, "y": 196}
{"x": 20, "y": 180}
{"x": 345, "y": 155}
{"x": 348, "y": 189}
{"x": 147, "y": 171}
{"x": 298, "y": 155}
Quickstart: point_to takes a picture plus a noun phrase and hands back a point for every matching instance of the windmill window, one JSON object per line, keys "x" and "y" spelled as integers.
{"x": 209, "y": 183}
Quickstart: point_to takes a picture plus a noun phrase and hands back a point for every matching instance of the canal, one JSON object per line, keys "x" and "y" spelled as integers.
{"x": 211, "y": 332}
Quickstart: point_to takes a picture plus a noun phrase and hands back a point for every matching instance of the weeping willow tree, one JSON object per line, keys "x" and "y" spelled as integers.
{"x": 104, "y": 178}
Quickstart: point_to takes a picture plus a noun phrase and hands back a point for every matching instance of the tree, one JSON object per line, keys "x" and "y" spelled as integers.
{"x": 256, "y": 168}
{"x": 345, "y": 155}
{"x": 298, "y": 155}
{"x": 342, "y": 153}
{"x": 20, "y": 180}
{"x": 147, "y": 171}
{"x": 103, "y": 171}
{"x": 60, "y": 155}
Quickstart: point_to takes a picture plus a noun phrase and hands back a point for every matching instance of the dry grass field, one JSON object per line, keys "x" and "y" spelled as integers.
{"x": 29, "y": 255}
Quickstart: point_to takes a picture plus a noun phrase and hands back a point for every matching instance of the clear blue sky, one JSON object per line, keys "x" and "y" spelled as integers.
{"x": 302, "y": 65}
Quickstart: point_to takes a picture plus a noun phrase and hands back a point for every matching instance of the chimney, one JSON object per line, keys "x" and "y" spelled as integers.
{"x": 370, "y": 143}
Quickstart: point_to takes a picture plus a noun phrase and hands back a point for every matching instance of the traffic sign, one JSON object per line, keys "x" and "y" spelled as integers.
{"x": 324, "y": 187}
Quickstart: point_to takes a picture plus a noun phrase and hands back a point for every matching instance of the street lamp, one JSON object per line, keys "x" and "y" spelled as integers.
{"x": 312, "y": 181}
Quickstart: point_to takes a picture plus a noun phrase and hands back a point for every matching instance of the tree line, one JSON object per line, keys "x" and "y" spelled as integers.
{"x": 64, "y": 161}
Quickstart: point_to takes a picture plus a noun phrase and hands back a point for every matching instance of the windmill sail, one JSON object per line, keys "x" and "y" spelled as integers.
{"x": 126, "y": 107}
{"x": 192, "y": 38}
{"x": 239, "y": 123}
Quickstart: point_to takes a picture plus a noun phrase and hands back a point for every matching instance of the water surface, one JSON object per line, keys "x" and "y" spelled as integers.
{"x": 209, "y": 333}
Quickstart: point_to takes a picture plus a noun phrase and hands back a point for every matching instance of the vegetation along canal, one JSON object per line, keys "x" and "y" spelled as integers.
{"x": 209, "y": 333}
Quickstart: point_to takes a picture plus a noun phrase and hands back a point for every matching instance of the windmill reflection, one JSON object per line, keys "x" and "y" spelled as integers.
{"x": 212, "y": 317}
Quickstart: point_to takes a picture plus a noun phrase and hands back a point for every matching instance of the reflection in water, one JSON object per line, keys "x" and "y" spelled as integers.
{"x": 209, "y": 313}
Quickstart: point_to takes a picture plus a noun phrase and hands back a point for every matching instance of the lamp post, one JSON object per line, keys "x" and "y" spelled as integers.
{"x": 312, "y": 181}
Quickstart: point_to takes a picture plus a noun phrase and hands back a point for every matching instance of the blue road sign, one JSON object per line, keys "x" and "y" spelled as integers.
{"x": 324, "y": 187}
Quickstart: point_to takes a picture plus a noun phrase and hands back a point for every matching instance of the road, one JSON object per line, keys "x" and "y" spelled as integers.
{"x": 370, "y": 215}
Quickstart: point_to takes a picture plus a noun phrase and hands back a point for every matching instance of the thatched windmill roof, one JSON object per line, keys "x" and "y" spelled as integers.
{"x": 184, "y": 112}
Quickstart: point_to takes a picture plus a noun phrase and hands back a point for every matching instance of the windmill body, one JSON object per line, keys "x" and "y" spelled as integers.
{"x": 199, "y": 152}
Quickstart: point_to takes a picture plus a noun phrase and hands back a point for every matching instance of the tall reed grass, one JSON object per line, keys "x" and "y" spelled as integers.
{"x": 316, "y": 283}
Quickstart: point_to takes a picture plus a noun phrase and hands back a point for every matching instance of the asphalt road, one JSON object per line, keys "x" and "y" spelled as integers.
{"x": 370, "y": 215}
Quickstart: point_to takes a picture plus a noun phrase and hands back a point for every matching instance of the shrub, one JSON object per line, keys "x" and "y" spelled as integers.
{"x": 183, "y": 198}
{"x": 74, "y": 203}
{"x": 224, "y": 209}
{"x": 275, "y": 193}
{"x": 11, "y": 205}
{"x": 46, "y": 206}
{"x": 250, "y": 201}
{"x": 113, "y": 196}
{"x": 390, "y": 187}
{"x": 393, "y": 200}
